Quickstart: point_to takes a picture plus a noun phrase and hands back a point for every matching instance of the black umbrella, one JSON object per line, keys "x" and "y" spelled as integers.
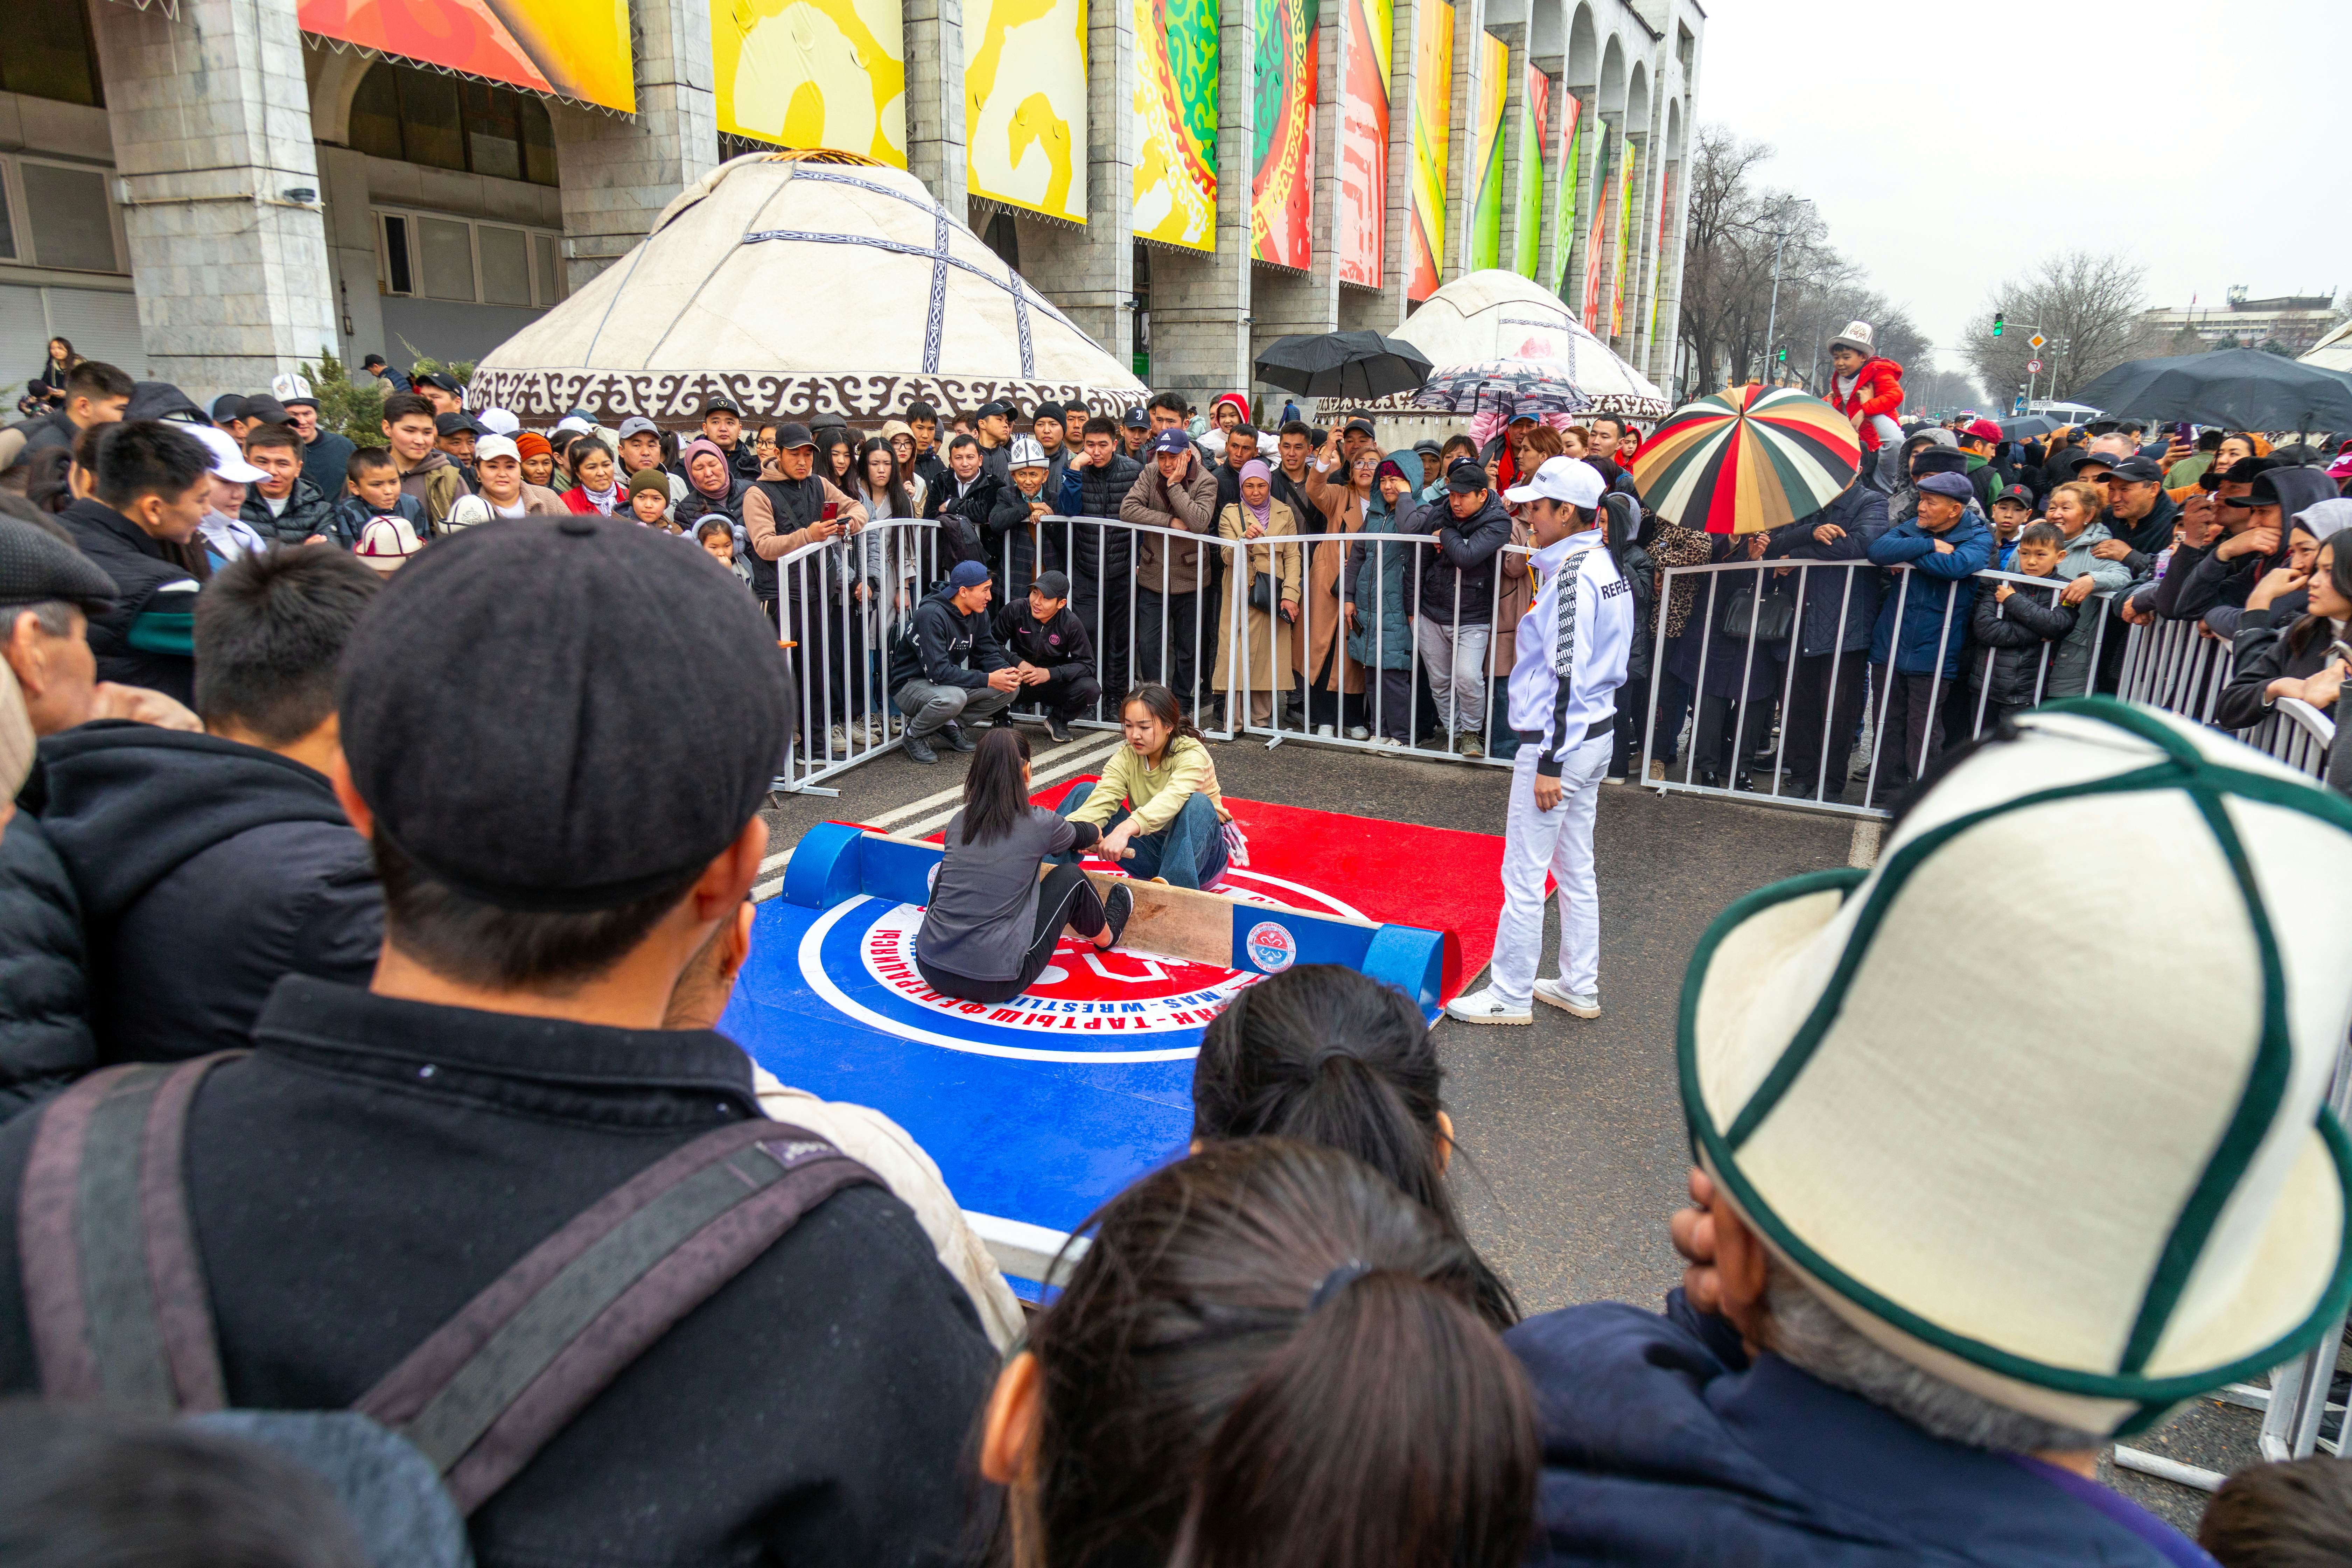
{"x": 2244, "y": 389}
{"x": 2026, "y": 427}
{"x": 1360, "y": 365}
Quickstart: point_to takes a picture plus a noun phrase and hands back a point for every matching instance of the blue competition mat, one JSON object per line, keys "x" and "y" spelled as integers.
{"x": 1037, "y": 1111}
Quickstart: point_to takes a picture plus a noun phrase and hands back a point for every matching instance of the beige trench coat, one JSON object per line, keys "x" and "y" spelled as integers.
{"x": 1270, "y": 659}
{"x": 1323, "y": 617}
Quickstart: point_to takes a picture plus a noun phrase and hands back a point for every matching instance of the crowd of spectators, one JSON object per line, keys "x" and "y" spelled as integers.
{"x": 434, "y": 801}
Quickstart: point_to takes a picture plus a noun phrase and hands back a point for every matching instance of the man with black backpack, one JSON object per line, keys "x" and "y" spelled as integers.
{"x": 490, "y": 1201}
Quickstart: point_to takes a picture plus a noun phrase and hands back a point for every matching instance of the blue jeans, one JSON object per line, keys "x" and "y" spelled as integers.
{"x": 1189, "y": 852}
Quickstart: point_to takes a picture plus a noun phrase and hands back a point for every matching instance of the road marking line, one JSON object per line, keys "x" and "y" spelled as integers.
{"x": 1037, "y": 777}
{"x": 1862, "y": 849}
{"x": 916, "y": 808}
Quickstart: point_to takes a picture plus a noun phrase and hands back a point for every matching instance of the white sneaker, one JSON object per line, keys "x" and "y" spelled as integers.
{"x": 1359, "y": 732}
{"x": 1388, "y": 743}
{"x": 1566, "y": 1001}
{"x": 1324, "y": 730}
{"x": 1485, "y": 1008}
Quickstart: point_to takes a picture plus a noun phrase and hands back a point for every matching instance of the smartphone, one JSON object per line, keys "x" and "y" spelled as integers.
{"x": 831, "y": 511}
{"x": 2180, "y": 432}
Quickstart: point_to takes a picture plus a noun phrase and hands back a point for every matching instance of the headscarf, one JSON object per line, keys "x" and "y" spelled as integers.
{"x": 725, "y": 476}
{"x": 1237, "y": 400}
{"x": 531, "y": 444}
{"x": 1263, "y": 511}
{"x": 2324, "y": 518}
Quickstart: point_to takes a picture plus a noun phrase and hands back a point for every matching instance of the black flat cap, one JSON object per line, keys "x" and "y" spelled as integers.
{"x": 35, "y": 568}
{"x": 1939, "y": 460}
{"x": 565, "y": 714}
{"x": 161, "y": 400}
{"x": 266, "y": 409}
{"x": 790, "y": 435}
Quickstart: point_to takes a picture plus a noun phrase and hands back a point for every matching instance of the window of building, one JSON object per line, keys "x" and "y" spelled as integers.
{"x": 436, "y": 256}
{"x": 49, "y": 55}
{"x": 424, "y": 117}
{"x": 57, "y": 215}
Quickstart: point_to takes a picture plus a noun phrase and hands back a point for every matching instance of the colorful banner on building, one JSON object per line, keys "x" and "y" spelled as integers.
{"x": 1596, "y": 246}
{"x": 1282, "y": 178}
{"x": 1176, "y": 122}
{"x": 1024, "y": 104}
{"x": 1565, "y": 185}
{"x": 1622, "y": 266}
{"x": 1432, "y": 135}
{"x": 1361, "y": 232}
{"x": 813, "y": 73}
{"x": 1487, "y": 156}
{"x": 1658, "y": 261}
{"x": 577, "y": 49}
{"x": 1535, "y": 152}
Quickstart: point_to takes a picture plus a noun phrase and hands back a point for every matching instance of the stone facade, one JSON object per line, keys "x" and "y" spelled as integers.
{"x": 218, "y": 112}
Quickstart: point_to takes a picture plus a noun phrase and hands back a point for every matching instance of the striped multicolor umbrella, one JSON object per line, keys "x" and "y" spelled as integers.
{"x": 1747, "y": 459}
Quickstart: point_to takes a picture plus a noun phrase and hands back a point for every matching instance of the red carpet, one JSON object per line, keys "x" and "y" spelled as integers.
{"x": 1394, "y": 872}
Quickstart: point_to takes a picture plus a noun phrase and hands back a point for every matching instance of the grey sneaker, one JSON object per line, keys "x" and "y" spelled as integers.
{"x": 1566, "y": 1001}
{"x": 1468, "y": 745}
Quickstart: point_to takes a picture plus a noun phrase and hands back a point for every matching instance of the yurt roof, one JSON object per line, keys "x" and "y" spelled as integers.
{"x": 801, "y": 286}
{"x": 1494, "y": 314}
{"x": 2333, "y": 352}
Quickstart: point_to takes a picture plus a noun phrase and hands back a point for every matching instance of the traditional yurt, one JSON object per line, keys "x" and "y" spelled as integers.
{"x": 2333, "y": 352}
{"x": 805, "y": 286}
{"x": 1498, "y": 315}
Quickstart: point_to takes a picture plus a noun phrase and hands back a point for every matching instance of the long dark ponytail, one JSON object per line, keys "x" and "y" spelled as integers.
{"x": 1330, "y": 1056}
{"x": 995, "y": 797}
{"x": 1269, "y": 1356}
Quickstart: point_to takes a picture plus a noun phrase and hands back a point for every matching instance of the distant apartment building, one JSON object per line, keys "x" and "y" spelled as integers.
{"x": 2295, "y": 323}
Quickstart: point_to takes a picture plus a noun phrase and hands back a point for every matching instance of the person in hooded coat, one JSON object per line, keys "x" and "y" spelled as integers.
{"x": 209, "y": 865}
{"x": 1257, "y": 515}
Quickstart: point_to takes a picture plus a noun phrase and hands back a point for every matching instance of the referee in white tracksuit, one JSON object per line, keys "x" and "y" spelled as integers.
{"x": 1572, "y": 646}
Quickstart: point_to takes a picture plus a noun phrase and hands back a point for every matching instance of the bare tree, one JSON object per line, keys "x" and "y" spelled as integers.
{"x": 1927, "y": 390}
{"x": 2086, "y": 304}
{"x": 1734, "y": 229}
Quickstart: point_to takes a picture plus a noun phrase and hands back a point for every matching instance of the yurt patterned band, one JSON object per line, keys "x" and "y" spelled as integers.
{"x": 536, "y": 395}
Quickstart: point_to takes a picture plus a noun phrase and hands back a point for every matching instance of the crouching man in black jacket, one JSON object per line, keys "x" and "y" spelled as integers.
{"x": 946, "y": 664}
{"x": 561, "y": 827}
{"x": 1053, "y": 655}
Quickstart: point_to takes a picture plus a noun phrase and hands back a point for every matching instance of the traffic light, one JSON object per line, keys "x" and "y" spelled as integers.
{"x": 1997, "y": 323}
{"x": 1780, "y": 358}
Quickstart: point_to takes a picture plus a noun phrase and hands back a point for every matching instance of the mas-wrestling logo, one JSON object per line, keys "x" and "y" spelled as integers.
{"x": 1271, "y": 947}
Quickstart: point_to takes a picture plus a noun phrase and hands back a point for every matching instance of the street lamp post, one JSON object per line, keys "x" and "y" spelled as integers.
{"x": 1773, "y": 316}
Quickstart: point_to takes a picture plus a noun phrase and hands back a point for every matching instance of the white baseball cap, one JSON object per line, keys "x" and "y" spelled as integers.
{"x": 227, "y": 461}
{"x": 573, "y": 422}
{"x": 499, "y": 421}
{"x": 1571, "y": 480}
{"x": 490, "y": 447}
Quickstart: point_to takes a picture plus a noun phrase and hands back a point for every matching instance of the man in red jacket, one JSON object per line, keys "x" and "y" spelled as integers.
{"x": 1866, "y": 388}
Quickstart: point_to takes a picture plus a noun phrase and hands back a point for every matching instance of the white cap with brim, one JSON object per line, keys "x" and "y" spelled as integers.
{"x": 499, "y": 421}
{"x": 1570, "y": 480}
{"x": 227, "y": 461}
{"x": 2088, "y": 1208}
{"x": 490, "y": 447}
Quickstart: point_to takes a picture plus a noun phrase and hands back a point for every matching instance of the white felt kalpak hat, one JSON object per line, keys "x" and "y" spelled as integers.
{"x": 2037, "y": 1103}
{"x": 1858, "y": 337}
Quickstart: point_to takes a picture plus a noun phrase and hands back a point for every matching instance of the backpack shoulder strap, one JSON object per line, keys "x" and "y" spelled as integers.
{"x": 113, "y": 1289}
{"x": 497, "y": 1382}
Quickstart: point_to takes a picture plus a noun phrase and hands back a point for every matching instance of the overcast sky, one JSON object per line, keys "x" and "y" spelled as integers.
{"x": 1931, "y": 138}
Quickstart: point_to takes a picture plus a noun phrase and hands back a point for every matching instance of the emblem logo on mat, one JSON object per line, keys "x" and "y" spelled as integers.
{"x": 1271, "y": 947}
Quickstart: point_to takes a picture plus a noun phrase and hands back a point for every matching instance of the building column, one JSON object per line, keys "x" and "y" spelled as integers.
{"x": 211, "y": 124}
{"x": 935, "y": 128}
{"x": 1284, "y": 302}
{"x": 619, "y": 174}
{"x": 1200, "y": 300}
{"x": 1089, "y": 271}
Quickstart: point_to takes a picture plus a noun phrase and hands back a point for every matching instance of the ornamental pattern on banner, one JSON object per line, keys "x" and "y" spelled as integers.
{"x": 1433, "y": 132}
{"x": 1283, "y": 180}
{"x": 1487, "y": 156}
{"x": 1176, "y": 122}
{"x": 1360, "y": 233}
{"x": 1025, "y": 92}
{"x": 534, "y": 395}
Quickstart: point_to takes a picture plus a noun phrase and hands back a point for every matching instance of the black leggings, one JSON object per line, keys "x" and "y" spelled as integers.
{"x": 1067, "y": 898}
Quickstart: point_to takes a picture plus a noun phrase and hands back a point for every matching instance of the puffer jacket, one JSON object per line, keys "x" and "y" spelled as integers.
{"x": 44, "y": 1039}
{"x": 1466, "y": 548}
{"x": 1942, "y": 593}
{"x": 1860, "y": 511}
{"x": 2005, "y": 661}
{"x": 1377, "y": 582}
{"x": 1189, "y": 503}
{"x": 306, "y": 513}
{"x": 1099, "y": 560}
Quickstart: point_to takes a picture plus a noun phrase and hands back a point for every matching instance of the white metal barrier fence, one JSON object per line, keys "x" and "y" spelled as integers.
{"x": 1759, "y": 683}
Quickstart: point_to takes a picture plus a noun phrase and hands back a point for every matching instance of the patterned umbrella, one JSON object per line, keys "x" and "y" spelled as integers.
{"x": 1747, "y": 459}
{"x": 1510, "y": 387}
